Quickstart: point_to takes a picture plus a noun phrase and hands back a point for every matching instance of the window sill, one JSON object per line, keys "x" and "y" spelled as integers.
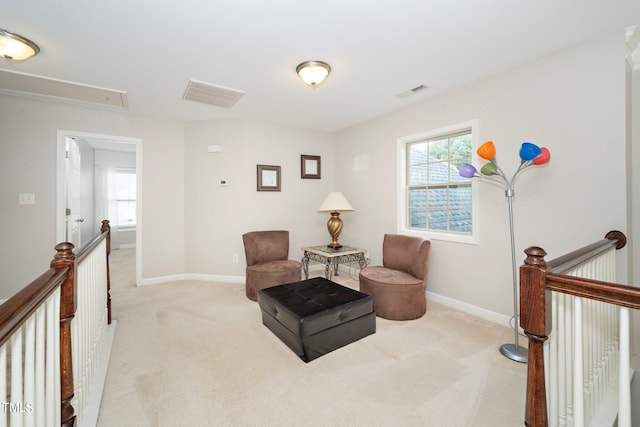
{"x": 447, "y": 237}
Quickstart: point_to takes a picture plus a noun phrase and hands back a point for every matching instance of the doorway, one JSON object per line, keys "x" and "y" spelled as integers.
{"x": 81, "y": 205}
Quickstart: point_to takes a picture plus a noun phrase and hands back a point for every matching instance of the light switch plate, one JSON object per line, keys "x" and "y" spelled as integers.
{"x": 26, "y": 199}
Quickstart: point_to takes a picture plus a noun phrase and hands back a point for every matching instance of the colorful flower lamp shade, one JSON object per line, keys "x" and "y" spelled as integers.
{"x": 467, "y": 171}
{"x": 530, "y": 155}
{"x": 487, "y": 151}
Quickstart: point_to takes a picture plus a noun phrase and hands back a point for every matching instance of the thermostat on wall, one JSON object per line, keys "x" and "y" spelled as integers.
{"x": 224, "y": 182}
{"x": 214, "y": 148}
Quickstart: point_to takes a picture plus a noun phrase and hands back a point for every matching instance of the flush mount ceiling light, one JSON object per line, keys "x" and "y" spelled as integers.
{"x": 313, "y": 73}
{"x": 15, "y": 47}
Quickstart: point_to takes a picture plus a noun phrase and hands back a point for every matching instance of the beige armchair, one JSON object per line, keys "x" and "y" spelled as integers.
{"x": 398, "y": 286}
{"x": 268, "y": 265}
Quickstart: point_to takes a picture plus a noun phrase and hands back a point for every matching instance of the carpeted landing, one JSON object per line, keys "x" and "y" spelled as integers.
{"x": 196, "y": 354}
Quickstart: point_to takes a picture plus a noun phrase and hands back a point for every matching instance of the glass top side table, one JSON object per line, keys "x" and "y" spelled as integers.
{"x": 332, "y": 258}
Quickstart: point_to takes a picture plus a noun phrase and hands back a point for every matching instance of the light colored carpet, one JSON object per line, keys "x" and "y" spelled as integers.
{"x": 196, "y": 354}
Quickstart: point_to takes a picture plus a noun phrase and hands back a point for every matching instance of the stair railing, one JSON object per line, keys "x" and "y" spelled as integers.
{"x": 577, "y": 321}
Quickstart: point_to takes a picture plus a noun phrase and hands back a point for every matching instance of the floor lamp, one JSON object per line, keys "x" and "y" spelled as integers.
{"x": 530, "y": 154}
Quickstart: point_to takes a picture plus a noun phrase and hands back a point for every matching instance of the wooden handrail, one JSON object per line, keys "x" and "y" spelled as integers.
{"x": 15, "y": 311}
{"x": 83, "y": 251}
{"x": 61, "y": 274}
{"x": 538, "y": 279}
{"x": 566, "y": 262}
{"x": 611, "y": 293}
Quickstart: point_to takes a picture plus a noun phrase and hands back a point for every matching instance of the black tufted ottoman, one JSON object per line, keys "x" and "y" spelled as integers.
{"x": 316, "y": 316}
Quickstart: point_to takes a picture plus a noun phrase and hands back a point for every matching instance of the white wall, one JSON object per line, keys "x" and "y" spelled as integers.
{"x": 572, "y": 102}
{"x": 217, "y": 216}
{"x": 634, "y": 197}
{"x": 28, "y": 164}
{"x": 116, "y": 159}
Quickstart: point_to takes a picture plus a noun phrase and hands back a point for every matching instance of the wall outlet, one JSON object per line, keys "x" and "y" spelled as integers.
{"x": 234, "y": 258}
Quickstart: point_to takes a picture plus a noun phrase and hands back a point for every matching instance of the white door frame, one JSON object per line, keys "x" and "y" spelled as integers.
{"x": 60, "y": 193}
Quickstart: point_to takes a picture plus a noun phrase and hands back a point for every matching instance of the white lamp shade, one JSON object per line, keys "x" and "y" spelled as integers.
{"x": 335, "y": 202}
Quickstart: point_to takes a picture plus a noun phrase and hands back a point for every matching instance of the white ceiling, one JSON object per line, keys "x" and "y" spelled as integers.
{"x": 378, "y": 49}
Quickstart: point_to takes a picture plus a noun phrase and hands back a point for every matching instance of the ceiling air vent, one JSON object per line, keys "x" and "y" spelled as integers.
{"x": 412, "y": 91}
{"x": 211, "y": 94}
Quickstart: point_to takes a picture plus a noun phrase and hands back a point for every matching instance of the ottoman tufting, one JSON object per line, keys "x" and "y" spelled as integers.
{"x": 316, "y": 316}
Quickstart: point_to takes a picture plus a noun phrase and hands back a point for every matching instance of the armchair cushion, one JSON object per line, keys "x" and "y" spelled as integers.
{"x": 398, "y": 286}
{"x": 406, "y": 253}
{"x": 386, "y": 275}
{"x": 263, "y": 246}
{"x": 267, "y": 264}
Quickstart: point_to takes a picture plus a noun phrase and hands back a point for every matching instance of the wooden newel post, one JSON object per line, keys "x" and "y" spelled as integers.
{"x": 535, "y": 319}
{"x": 65, "y": 258}
{"x": 106, "y": 227}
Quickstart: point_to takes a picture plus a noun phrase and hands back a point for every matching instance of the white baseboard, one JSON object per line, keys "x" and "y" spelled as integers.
{"x": 480, "y": 312}
{"x": 208, "y": 277}
{"x": 192, "y": 276}
{"x": 216, "y": 278}
{"x": 163, "y": 279}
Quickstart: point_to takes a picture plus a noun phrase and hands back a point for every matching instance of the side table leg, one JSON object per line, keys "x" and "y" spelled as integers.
{"x": 363, "y": 262}
{"x": 305, "y": 266}
{"x": 327, "y": 270}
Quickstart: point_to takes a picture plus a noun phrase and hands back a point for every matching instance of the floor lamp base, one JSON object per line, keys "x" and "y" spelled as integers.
{"x": 515, "y": 352}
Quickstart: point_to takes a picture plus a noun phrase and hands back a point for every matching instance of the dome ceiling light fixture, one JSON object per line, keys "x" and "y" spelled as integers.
{"x": 313, "y": 73}
{"x": 14, "y": 47}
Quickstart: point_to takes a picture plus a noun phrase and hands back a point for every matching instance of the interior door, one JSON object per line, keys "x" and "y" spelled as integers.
{"x": 72, "y": 192}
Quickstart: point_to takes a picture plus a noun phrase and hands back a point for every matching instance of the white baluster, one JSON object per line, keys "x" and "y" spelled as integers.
{"x": 578, "y": 381}
{"x": 3, "y": 383}
{"x": 29, "y": 371}
{"x": 39, "y": 401}
{"x": 624, "y": 382}
{"x": 15, "y": 420}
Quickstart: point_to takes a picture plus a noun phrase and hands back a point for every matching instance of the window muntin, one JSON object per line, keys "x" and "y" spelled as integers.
{"x": 437, "y": 198}
{"x": 122, "y": 198}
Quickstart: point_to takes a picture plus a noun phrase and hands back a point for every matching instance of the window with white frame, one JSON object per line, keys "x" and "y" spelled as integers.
{"x": 435, "y": 200}
{"x": 122, "y": 198}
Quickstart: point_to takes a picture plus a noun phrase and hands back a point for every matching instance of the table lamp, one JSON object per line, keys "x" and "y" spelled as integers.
{"x": 335, "y": 203}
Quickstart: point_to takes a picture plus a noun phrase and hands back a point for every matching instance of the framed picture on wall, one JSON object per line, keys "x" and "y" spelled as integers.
{"x": 310, "y": 166}
{"x": 268, "y": 178}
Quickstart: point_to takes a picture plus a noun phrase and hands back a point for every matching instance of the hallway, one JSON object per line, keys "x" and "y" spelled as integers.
{"x": 122, "y": 267}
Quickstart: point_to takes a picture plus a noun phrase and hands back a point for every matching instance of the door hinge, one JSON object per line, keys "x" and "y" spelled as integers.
{"x": 68, "y": 211}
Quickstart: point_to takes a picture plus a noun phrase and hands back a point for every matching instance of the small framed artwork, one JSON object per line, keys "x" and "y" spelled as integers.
{"x": 310, "y": 167}
{"x": 268, "y": 178}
